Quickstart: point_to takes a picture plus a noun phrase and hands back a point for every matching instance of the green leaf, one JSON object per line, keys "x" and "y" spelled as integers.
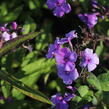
{"x": 29, "y": 25}
{"x": 83, "y": 90}
{"x": 35, "y": 69}
{"x": 11, "y": 16}
{"x": 16, "y": 94}
{"x": 104, "y": 81}
{"x": 77, "y": 99}
{"x": 99, "y": 49}
{"x": 6, "y": 89}
{"x": 16, "y": 41}
{"x": 24, "y": 88}
{"x": 94, "y": 82}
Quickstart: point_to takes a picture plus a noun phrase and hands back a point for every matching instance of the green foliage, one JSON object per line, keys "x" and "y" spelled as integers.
{"x": 83, "y": 90}
{"x": 104, "y": 81}
{"x": 6, "y": 89}
{"x": 93, "y": 82}
{"x": 24, "y": 89}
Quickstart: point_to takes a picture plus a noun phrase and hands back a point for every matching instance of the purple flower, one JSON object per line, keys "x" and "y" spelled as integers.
{"x": 6, "y": 36}
{"x": 69, "y": 36}
{"x": 14, "y": 25}
{"x": 13, "y": 35}
{"x": 59, "y": 7}
{"x": 61, "y": 102}
{"x": 52, "y": 49}
{"x": 89, "y": 19}
{"x": 3, "y": 28}
{"x": 66, "y": 58}
{"x": 72, "y": 34}
{"x": 67, "y": 76}
{"x": 68, "y": 96}
{"x": 66, "y": 65}
{"x": 89, "y": 59}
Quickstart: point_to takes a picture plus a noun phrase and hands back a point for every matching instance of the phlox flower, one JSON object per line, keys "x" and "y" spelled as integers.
{"x": 89, "y": 59}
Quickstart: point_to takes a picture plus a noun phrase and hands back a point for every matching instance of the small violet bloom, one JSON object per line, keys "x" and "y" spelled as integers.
{"x": 66, "y": 57}
{"x": 61, "y": 102}
{"x": 59, "y": 7}
{"x": 68, "y": 96}
{"x": 14, "y": 25}
{"x": 69, "y": 36}
{"x": 6, "y": 36}
{"x": 67, "y": 76}
{"x": 89, "y": 59}
{"x": 65, "y": 63}
{"x": 52, "y": 49}
{"x": 89, "y": 19}
{"x": 13, "y": 35}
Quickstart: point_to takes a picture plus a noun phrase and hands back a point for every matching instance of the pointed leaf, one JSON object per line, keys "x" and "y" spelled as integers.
{"x": 24, "y": 88}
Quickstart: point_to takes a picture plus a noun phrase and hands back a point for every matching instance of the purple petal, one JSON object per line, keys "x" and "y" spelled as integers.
{"x": 75, "y": 74}
{"x": 91, "y": 67}
{"x": 51, "y": 4}
{"x": 95, "y": 59}
{"x": 58, "y": 12}
{"x": 6, "y": 36}
{"x": 13, "y": 35}
{"x": 71, "y": 34}
{"x": 66, "y": 7}
{"x": 89, "y": 19}
{"x": 14, "y": 25}
{"x": 69, "y": 66}
{"x": 73, "y": 56}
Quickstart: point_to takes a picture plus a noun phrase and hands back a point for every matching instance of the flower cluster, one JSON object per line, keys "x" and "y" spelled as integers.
{"x": 66, "y": 58}
{"x": 8, "y": 34}
{"x": 89, "y": 19}
{"x": 66, "y": 65}
{"x": 60, "y": 101}
{"x": 59, "y": 7}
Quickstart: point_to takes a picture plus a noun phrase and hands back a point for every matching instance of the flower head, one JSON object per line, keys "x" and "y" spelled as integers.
{"x": 89, "y": 19}
{"x": 60, "y": 101}
{"x": 66, "y": 65}
{"x": 89, "y": 59}
{"x": 66, "y": 58}
{"x": 52, "y": 49}
{"x": 7, "y": 36}
{"x": 14, "y": 25}
{"x": 59, "y": 7}
{"x": 67, "y": 76}
{"x": 69, "y": 36}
